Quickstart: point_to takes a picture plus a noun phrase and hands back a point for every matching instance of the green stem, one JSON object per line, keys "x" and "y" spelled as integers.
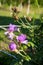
{"x": 3, "y": 28}
{"x": 26, "y": 57}
{"x": 27, "y": 22}
{"x": 22, "y": 21}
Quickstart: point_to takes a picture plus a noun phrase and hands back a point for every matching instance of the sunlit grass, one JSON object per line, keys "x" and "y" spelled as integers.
{"x": 5, "y": 13}
{"x": 34, "y": 12}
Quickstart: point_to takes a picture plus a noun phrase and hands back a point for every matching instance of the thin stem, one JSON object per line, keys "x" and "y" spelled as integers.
{"x": 27, "y": 22}
{"x": 22, "y": 21}
{"x": 26, "y": 57}
{"x": 19, "y": 22}
{"x": 7, "y": 26}
{"x": 23, "y": 52}
{"x": 3, "y": 28}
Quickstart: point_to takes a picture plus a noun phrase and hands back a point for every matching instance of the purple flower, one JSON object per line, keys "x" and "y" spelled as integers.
{"x": 10, "y": 31}
{"x": 22, "y": 39}
{"x": 12, "y": 46}
{"x": 12, "y": 28}
{"x": 10, "y": 35}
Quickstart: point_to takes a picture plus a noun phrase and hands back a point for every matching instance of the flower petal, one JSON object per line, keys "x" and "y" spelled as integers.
{"x": 25, "y": 42}
{"x": 6, "y": 33}
{"x": 11, "y": 36}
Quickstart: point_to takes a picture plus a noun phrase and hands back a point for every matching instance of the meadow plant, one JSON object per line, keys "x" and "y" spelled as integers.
{"x": 16, "y": 41}
{"x": 22, "y": 44}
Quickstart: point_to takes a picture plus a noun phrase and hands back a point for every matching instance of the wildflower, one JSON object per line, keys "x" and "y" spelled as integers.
{"x": 12, "y": 28}
{"x": 11, "y": 35}
{"x": 12, "y": 46}
{"x": 22, "y": 39}
{"x": 10, "y": 31}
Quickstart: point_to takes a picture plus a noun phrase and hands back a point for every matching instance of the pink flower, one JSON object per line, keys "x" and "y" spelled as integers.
{"x": 11, "y": 35}
{"x": 12, "y": 28}
{"x": 22, "y": 39}
{"x": 10, "y": 31}
{"x": 12, "y": 46}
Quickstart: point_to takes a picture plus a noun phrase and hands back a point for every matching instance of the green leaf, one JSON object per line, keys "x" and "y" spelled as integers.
{"x": 31, "y": 44}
